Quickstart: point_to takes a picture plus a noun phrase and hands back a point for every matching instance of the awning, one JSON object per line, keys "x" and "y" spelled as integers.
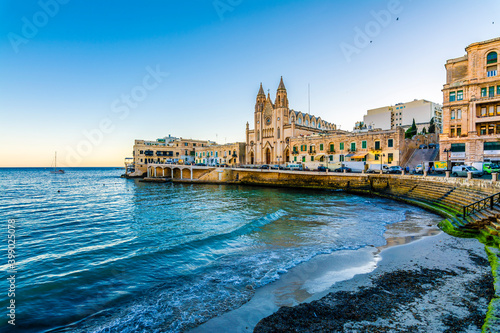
{"x": 318, "y": 157}
{"x": 350, "y": 155}
{"x": 359, "y": 155}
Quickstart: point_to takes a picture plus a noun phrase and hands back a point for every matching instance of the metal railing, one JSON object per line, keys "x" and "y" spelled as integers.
{"x": 479, "y": 205}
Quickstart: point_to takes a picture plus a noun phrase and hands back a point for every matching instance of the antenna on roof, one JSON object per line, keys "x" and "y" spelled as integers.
{"x": 308, "y": 98}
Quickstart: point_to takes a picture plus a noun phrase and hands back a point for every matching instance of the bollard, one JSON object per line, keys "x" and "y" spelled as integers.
{"x": 447, "y": 174}
{"x": 425, "y": 173}
{"x": 494, "y": 177}
{"x": 345, "y": 170}
{"x": 469, "y": 175}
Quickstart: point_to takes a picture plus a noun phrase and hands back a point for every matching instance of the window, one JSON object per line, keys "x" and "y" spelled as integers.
{"x": 458, "y": 147}
{"x": 459, "y": 114}
{"x": 306, "y": 122}
{"x": 312, "y": 158}
{"x": 377, "y": 156}
{"x": 303, "y": 159}
{"x": 363, "y": 144}
{"x": 353, "y": 146}
{"x": 491, "y": 58}
{"x": 459, "y": 130}
{"x": 483, "y": 112}
{"x": 452, "y": 96}
{"x": 299, "y": 121}
{"x": 460, "y": 95}
{"x": 491, "y": 111}
{"x": 341, "y": 158}
{"x": 491, "y": 129}
{"x": 295, "y": 158}
{"x": 482, "y": 130}
{"x": 332, "y": 147}
{"x": 492, "y": 146}
{"x": 491, "y": 92}
{"x": 452, "y": 131}
{"x": 390, "y": 158}
{"x": 331, "y": 157}
{"x": 452, "y": 114}
{"x": 341, "y": 146}
{"x": 498, "y": 110}
{"x": 377, "y": 145}
{"x": 483, "y": 92}
{"x": 498, "y": 90}
{"x": 491, "y": 71}
{"x": 390, "y": 143}
{"x": 279, "y": 132}
{"x": 320, "y": 146}
{"x": 185, "y": 144}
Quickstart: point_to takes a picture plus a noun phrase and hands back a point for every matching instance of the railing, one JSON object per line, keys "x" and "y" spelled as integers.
{"x": 481, "y": 204}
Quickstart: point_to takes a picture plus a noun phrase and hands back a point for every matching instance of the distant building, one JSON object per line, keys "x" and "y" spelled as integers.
{"x": 402, "y": 114}
{"x": 165, "y": 150}
{"x": 232, "y": 154}
{"x": 375, "y": 146}
{"x": 471, "y": 105}
{"x": 274, "y": 125}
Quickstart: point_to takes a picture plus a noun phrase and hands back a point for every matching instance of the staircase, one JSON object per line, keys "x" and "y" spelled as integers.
{"x": 480, "y": 214}
{"x": 421, "y": 155}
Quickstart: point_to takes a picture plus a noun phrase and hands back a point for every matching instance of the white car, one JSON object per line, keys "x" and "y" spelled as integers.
{"x": 462, "y": 170}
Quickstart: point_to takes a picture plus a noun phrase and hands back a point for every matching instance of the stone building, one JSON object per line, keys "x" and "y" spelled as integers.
{"x": 165, "y": 150}
{"x": 232, "y": 154}
{"x": 471, "y": 107}
{"x": 378, "y": 146}
{"x": 274, "y": 124}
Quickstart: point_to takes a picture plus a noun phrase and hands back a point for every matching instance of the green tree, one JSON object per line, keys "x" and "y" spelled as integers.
{"x": 432, "y": 126}
{"x": 424, "y": 131}
{"x": 410, "y": 132}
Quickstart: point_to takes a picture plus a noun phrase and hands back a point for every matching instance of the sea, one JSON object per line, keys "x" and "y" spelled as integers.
{"x": 94, "y": 252}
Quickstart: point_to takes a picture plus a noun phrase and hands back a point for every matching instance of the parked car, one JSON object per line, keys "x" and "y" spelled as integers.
{"x": 396, "y": 169}
{"x": 433, "y": 145}
{"x": 322, "y": 168}
{"x": 422, "y": 147}
{"x": 276, "y": 167}
{"x": 341, "y": 169}
{"x": 462, "y": 170}
{"x": 200, "y": 164}
{"x": 295, "y": 166}
{"x": 264, "y": 167}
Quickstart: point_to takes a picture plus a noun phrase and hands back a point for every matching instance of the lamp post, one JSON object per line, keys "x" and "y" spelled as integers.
{"x": 381, "y": 158}
{"x": 447, "y": 151}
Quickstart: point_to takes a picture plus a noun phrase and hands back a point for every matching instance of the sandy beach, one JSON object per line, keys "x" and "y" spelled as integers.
{"x": 423, "y": 280}
{"x": 436, "y": 284}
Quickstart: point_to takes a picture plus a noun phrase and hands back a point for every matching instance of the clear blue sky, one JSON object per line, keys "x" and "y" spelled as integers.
{"x": 192, "y": 68}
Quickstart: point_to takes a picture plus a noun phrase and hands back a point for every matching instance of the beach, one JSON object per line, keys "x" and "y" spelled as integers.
{"x": 436, "y": 284}
{"x": 422, "y": 280}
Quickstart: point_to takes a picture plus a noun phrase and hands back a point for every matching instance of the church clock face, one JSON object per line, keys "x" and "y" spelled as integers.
{"x": 268, "y": 121}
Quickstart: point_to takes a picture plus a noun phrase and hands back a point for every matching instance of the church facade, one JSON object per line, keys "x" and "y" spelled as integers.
{"x": 274, "y": 124}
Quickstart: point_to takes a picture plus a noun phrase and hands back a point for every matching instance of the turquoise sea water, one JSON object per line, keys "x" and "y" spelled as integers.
{"x": 98, "y": 253}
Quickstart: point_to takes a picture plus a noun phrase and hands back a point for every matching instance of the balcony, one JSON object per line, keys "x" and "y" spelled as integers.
{"x": 312, "y": 151}
{"x": 331, "y": 151}
{"x": 295, "y": 152}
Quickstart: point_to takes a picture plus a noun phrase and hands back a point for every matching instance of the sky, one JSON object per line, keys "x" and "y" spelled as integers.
{"x": 87, "y": 78}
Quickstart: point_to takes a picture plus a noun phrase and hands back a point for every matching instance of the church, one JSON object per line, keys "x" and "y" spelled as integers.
{"x": 274, "y": 125}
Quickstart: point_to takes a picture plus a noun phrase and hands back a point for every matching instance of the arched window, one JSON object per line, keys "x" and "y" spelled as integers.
{"x": 313, "y": 124}
{"x": 491, "y": 64}
{"x": 306, "y": 122}
{"x": 491, "y": 58}
{"x": 299, "y": 121}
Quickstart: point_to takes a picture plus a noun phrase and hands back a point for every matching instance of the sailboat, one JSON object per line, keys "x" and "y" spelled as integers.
{"x": 55, "y": 166}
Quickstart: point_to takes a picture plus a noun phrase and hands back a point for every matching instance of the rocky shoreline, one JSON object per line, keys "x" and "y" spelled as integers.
{"x": 437, "y": 284}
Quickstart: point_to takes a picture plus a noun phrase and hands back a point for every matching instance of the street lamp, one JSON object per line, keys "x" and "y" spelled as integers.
{"x": 381, "y": 158}
{"x": 447, "y": 151}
